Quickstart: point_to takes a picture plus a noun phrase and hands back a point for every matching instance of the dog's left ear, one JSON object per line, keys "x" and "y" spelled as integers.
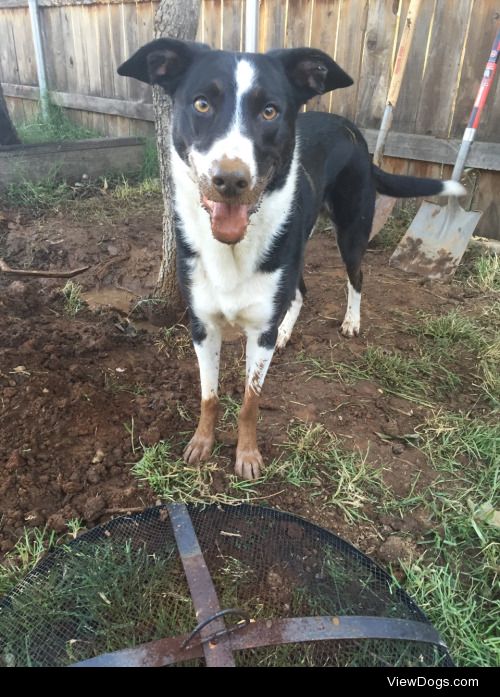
{"x": 162, "y": 62}
{"x": 311, "y": 71}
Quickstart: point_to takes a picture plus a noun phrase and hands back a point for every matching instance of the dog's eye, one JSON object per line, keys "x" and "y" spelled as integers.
{"x": 269, "y": 112}
{"x": 201, "y": 105}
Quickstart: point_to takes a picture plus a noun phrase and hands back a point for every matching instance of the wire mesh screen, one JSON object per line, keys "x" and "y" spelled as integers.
{"x": 122, "y": 584}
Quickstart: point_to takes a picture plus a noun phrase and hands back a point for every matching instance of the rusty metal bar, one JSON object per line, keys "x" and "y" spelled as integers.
{"x": 272, "y": 632}
{"x": 203, "y": 593}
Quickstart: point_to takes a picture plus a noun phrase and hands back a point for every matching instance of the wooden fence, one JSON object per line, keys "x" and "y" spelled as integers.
{"x": 85, "y": 40}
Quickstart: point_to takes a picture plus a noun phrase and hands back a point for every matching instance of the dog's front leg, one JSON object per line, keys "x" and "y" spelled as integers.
{"x": 258, "y": 358}
{"x": 207, "y": 350}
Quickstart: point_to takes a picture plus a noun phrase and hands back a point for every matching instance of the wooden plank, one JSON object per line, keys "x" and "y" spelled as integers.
{"x": 54, "y": 48}
{"x": 405, "y": 113}
{"x": 482, "y": 30}
{"x": 232, "y": 11}
{"x": 323, "y": 35}
{"x": 212, "y": 23}
{"x": 272, "y": 24}
{"x": 297, "y": 25}
{"x": 145, "y": 34}
{"x": 353, "y": 17}
{"x": 440, "y": 78}
{"x": 118, "y": 50}
{"x": 63, "y": 3}
{"x": 375, "y": 66}
{"x": 87, "y": 103}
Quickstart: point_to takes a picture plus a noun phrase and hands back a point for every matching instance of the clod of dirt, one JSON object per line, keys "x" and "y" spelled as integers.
{"x": 93, "y": 508}
{"x": 396, "y": 549}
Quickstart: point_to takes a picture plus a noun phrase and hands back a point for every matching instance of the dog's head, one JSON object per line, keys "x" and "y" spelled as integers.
{"x": 234, "y": 117}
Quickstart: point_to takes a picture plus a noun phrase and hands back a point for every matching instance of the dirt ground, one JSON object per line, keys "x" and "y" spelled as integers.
{"x": 79, "y": 395}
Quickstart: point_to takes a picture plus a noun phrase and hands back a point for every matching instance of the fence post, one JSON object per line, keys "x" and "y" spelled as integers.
{"x": 40, "y": 61}
{"x": 251, "y": 26}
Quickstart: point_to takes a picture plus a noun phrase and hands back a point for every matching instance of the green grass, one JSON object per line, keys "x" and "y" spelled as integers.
{"x": 58, "y": 127}
{"x": 175, "y": 481}
{"x": 115, "y": 598}
{"x": 72, "y": 293}
{"x": 455, "y": 582}
{"x": 315, "y": 459}
{"x": 396, "y": 225}
{"x": 485, "y": 275}
{"x": 418, "y": 379}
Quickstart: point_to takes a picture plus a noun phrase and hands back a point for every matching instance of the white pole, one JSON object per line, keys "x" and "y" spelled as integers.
{"x": 251, "y": 26}
{"x": 40, "y": 62}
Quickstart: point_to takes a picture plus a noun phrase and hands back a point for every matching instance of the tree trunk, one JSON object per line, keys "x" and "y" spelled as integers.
{"x": 8, "y": 135}
{"x": 178, "y": 20}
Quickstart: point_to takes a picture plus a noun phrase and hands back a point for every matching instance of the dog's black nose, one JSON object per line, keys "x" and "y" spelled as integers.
{"x": 231, "y": 178}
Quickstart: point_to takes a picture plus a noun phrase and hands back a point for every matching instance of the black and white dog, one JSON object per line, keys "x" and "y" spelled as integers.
{"x": 250, "y": 175}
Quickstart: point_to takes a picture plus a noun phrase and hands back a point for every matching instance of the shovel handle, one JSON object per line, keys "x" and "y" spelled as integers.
{"x": 484, "y": 88}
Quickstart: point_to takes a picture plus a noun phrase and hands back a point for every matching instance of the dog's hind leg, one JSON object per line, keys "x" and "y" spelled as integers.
{"x": 288, "y": 323}
{"x": 352, "y": 239}
{"x": 207, "y": 344}
{"x": 259, "y": 354}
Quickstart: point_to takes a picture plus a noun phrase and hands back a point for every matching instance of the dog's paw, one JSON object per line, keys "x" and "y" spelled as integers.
{"x": 283, "y": 338}
{"x": 248, "y": 463}
{"x": 198, "y": 450}
{"x": 350, "y": 327}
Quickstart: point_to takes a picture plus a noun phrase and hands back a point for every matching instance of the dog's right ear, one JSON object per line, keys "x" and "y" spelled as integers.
{"x": 162, "y": 62}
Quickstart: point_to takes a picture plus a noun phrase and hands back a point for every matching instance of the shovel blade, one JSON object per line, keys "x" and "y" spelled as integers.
{"x": 436, "y": 240}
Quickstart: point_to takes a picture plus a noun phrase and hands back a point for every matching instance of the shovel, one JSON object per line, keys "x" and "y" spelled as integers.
{"x": 438, "y": 236}
{"x": 385, "y": 204}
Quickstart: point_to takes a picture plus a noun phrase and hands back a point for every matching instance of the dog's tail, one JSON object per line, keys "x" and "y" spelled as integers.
{"x": 406, "y": 187}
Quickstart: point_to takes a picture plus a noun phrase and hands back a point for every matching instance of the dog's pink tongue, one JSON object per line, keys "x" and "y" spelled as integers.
{"x": 229, "y": 221}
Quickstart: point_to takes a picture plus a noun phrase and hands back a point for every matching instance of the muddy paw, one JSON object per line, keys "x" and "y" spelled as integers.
{"x": 248, "y": 464}
{"x": 198, "y": 450}
{"x": 283, "y": 339}
{"x": 349, "y": 328}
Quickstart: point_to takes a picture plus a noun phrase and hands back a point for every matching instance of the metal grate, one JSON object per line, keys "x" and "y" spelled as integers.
{"x": 123, "y": 584}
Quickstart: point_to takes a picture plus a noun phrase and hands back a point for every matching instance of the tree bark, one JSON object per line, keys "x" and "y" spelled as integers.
{"x": 178, "y": 20}
{"x": 8, "y": 135}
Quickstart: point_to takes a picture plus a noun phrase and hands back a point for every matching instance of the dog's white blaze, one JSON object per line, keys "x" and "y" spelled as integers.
{"x": 225, "y": 285}
{"x": 288, "y": 323}
{"x": 352, "y": 319}
{"x": 208, "y": 354}
{"x": 234, "y": 145}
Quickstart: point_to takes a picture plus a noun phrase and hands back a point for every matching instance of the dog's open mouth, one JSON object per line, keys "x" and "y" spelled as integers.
{"x": 229, "y": 220}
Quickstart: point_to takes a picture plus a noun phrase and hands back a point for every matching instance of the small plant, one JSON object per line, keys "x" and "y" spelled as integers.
{"x": 57, "y": 127}
{"x": 174, "y": 341}
{"x": 73, "y": 302}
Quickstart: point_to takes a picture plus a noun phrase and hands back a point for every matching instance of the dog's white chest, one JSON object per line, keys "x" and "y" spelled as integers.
{"x": 233, "y": 296}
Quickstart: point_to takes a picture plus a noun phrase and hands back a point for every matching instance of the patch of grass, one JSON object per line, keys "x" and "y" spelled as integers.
{"x": 455, "y": 581}
{"x": 58, "y": 127}
{"x": 72, "y": 293}
{"x": 175, "y": 481}
{"x": 174, "y": 341}
{"x": 314, "y": 458}
{"x": 445, "y": 331}
{"x": 26, "y": 554}
{"x": 110, "y": 596}
{"x": 150, "y": 167}
{"x": 114, "y": 383}
{"x": 485, "y": 275}
{"x": 415, "y": 379}
{"x": 46, "y": 194}
{"x": 452, "y": 336}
